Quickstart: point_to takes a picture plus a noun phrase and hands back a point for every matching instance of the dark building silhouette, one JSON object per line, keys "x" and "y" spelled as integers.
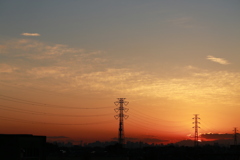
{"x": 22, "y": 146}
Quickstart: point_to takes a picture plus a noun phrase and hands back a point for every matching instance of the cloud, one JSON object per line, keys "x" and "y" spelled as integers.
{"x": 30, "y": 34}
{"x": 33, "y": 49}
{"x": 89, "y": 72}
{"x": 216, "y": 136}
{"x": 217, "y": 60}
{"x": 41, "y": 72}
{"x": 5, "y": 68}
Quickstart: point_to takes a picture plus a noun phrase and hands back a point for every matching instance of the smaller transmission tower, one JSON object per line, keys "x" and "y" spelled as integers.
{"x": 235, "y": 136}
{"x": 196, "y": 129}
{"x": 121, "y": 116}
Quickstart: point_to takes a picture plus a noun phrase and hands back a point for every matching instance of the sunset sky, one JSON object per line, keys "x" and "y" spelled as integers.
{"x": 63, "y": 64}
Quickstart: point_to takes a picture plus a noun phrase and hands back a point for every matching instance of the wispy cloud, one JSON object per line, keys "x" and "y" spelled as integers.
{"x": 5, "y": 68}
{"x": 217, "y": 136}
{"x": 78, "y": 69}
{"x": 30, "y": 34}
{"x": 217, "y": 60}
{"x": 41, "y": 72}
{"x": 33, "y": 49}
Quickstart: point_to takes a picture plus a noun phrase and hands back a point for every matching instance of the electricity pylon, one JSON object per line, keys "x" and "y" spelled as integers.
{"x": 121, "y": 116}
{"x": 196, "y": 129}
{"x": 235, "y": 136}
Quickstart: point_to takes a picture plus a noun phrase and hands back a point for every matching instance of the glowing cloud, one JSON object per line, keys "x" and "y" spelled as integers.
{"x": 30, "y": 34}
{"x": 217, "y": 136}
{"x": 5, "y": 68}
{"x": 218, "y": 60}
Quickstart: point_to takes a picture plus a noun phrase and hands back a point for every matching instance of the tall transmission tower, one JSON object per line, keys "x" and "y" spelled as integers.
{"x": 121, "y": 116}
{"x": 235, "y": 136}
{"x": 196, "y": 129}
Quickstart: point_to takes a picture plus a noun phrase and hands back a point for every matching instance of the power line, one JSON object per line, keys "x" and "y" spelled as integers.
{"x": 207, "y": 124}
{"x": 147, "y": 127}
{"x": 18, "y": 100}
{"x": 152, "y": 120}
{"x": 30, "y": 89}
{"x": 151, "y": 125}
{"x": 151, "y": 117}
{"x": 7, "y": 108}
{"x": 48, "y": 123}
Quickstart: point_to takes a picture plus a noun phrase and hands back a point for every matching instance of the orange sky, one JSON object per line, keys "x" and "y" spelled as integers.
{"x": 157, "y": 118}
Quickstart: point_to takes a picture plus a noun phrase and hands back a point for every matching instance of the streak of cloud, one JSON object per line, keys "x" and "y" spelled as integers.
{"x": 31, "y": 34}
{"x": 217, "y": 60}
{"x": 5, "y": 68}
{"x": 78, "y": 69}
{"x": 41, "y": 72}
{"x": 217, "y": 136}
{"x": 32, "y": 49}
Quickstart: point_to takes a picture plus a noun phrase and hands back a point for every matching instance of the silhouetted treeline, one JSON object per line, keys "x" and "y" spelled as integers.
{"x": 169, "y": 152}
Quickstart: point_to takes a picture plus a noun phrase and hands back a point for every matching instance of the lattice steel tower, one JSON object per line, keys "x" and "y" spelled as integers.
{"x": 235, "y": 136}
{"x": 121, "y": 116}
{"x": 196, "y": 129}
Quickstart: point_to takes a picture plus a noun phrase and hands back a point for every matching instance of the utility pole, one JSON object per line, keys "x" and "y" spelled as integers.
{"x": 121, "y": 116}
{"x": 196, "y": 129}
{"x": 235, "y": 136}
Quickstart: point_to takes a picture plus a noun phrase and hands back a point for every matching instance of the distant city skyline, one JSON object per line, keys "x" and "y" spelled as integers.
{"x": 63, "y": 64}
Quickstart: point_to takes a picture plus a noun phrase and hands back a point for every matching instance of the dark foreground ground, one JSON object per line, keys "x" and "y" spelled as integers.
{"x": 116, "y": 152}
